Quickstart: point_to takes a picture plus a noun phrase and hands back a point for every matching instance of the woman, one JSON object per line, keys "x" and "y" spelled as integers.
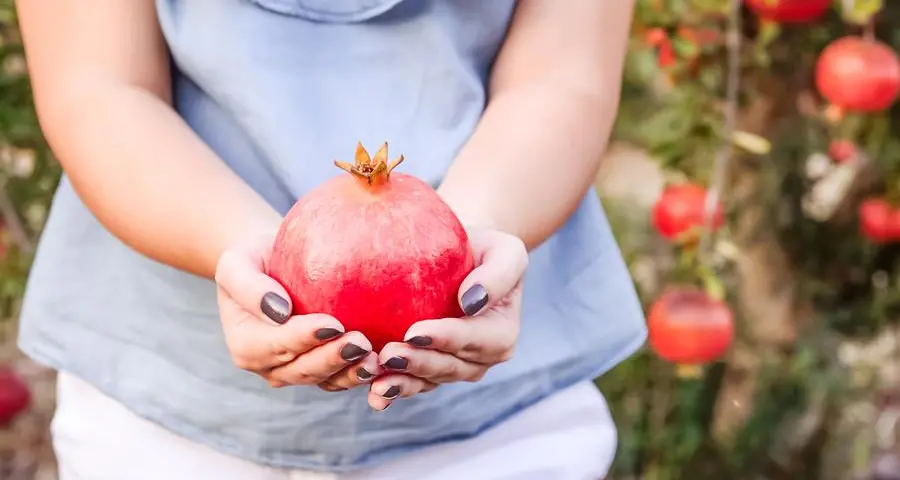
{"x": 188, "y": 128}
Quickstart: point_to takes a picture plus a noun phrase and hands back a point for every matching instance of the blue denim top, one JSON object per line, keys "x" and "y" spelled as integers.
{"x": 279, "y": 88}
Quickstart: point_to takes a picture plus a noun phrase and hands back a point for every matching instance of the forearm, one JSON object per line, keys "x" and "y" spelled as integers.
{"x": 531, "y": 160}
{"x": 150, "y": 180}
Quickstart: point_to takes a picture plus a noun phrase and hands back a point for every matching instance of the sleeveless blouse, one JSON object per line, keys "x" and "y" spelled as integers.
{"x": 279, "y": 88}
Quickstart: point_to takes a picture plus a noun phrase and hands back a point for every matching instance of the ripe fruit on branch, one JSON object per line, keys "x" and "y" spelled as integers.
{"x": 841, "y": 150}
{"x": 689, "y": 327}
{"x": 678, "y": 213}
{"x": 879, "y": 221}
{"x": 789, "y": 11}
{"x": 376, "y": 249}
{"x": 858, "y": 74}
{"x": 15, "y": 396}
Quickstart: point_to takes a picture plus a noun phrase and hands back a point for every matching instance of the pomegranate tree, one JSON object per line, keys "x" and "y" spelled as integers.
{"x": 377, "y": 249}
{"x": 689, "y": 327}
{"x": 789, "y": 11}
{"x": 679, "y": 212}
{"x": 15, "y": 396}
{"x": 858, "y": 74}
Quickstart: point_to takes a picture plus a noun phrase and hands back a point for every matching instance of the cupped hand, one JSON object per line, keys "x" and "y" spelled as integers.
{"x": 265, "y": 339}
{"x": 461, "y": 349}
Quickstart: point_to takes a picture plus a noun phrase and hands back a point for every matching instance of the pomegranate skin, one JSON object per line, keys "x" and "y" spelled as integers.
{"x": 858, "y": 74}
{"x": 789, "y": 11}
{"x": 679, "y": 209}
{"x": 376, "y": 258}
{"x": 15, "y": 396}
{"x": 688, "y": 327}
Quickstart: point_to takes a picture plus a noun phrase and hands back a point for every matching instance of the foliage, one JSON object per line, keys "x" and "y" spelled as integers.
{"x": 844, "y": 288}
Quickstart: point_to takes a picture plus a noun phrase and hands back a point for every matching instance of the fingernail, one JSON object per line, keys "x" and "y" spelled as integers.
{"x": 352, "y": 352}
{"x": 474, "y": 299}
{"x": 386, "y": 407}
{"x": 419, "y": 341}
{"x": 362, "y": 374}
{"x": 327, "y": 333}
{"x": 392, "y": 392}
{"x": 275, "y": 307}
{"x": 396, "y": 363}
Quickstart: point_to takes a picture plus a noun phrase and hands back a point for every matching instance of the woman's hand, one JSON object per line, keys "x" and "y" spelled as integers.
{"x": 263, "y": 337}
{"x": 461, "y": 349}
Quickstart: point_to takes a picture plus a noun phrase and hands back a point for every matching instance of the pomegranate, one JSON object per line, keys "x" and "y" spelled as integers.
{"x": 687, "y": 326}
{"x": 378, "y": 250}
{"x": 857, "y": 74}
{"x": 15, "y": 396}
{"x": 841, "y": 150}
{"x": 679, "y": 211}
{"x": 789, "y": 11}
{"x": 875, "y": 218}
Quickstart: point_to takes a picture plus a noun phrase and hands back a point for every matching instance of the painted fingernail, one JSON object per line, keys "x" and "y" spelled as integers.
{"x": 362, "y": 374}
{"x": 392, "y": 392}
{"x": 352, "y": 352}
{"x": 397, "y": 363}
{"x": 419, "y": 341}
{"x": 386, "y": 407}
{"x": 474, "y": 299}
{"x": 275, "y": 307}
{"x": 327, "y": 333}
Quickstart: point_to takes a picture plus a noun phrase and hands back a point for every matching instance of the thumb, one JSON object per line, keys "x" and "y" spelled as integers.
{"x": 504, "y": 260}
{"x": 241, "y": 273}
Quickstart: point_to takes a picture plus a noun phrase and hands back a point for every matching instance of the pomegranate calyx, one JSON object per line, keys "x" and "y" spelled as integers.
{"x": 371, "y": 171}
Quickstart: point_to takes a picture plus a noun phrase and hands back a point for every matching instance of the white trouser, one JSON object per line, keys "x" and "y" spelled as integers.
{"x": 569, "y": 435}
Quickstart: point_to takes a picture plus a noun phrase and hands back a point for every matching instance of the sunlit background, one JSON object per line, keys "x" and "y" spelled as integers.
{"x": 754, "y": 186}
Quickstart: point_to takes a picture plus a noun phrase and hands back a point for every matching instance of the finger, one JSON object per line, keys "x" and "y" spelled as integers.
{"x": 258, "y": 346}
{"x": 487, "y": 339}
{"x": 390, "y": 387}
{"x": 241, "y": 273}
{"x": 430, "y": 365}
{"x": 503, "y": 261}
{"x": 320, "y": 363}
{"x": 360, "y": 373}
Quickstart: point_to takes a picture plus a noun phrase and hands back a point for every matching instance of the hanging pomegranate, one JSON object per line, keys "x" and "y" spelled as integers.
{"x": 15, "y": 396}
{"x": 789, "y": 11}
{"x": 879, "y": 221}
{"x": 679, "y": 212}
{"x": 858, "y": 74}
{"x": 689, "y": 327}
{"x": 841, "y": 151}
{"x": 378, "y": 250}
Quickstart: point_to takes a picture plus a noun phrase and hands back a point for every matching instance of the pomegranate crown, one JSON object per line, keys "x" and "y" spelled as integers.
{"x": 370, "y": 170}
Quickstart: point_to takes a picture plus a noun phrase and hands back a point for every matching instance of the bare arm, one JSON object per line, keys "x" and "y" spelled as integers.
{"x": 554, "y": 97}
{"x": 102, "y": 91}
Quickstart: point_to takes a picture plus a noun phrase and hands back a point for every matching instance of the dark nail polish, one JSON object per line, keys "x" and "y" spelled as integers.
{"x": 474, "y": 299}
{"x": 397, "y": 363}
{"x": 363, "y": 374}
{"x": 275, "y": 307}
{"x": 392, "y": 392}
{"x": 419, "y": 341}
{"x": 352, "y": 352}
{"x": 327, "y": 333}
{"x": 386, "y": 407}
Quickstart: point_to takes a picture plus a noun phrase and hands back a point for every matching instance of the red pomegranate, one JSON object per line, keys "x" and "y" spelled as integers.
{"x": 875, "y": 217}
{"x": 679, "y": 211}
{"x": 789, "y": 11}
{"x": 841, "y": 150}
{"x": 687, "y": 326}
{"x": 15, "y": 396}
{"x": 377, "y": 250}
{"x": 858, "y": 75}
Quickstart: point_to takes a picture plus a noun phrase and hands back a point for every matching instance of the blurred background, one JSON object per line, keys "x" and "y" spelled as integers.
{"x": 754, "y": 185}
